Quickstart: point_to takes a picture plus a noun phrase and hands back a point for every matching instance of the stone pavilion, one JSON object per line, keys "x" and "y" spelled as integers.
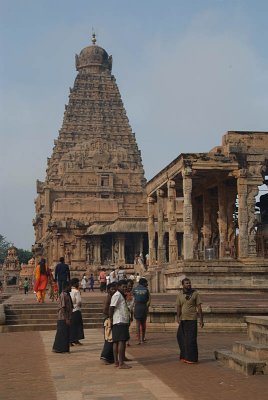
{"x": 205, "y": 221}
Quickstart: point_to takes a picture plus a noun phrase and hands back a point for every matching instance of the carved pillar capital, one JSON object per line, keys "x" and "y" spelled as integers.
{"x": 160, "y": 193}
{"x": 150, "y": 200}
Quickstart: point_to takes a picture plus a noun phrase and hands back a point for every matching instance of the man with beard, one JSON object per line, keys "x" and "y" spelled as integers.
{"x": 188, "y": 308}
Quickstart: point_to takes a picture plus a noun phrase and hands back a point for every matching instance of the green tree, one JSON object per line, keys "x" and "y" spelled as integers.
{"x": 4, "y": 245}
{"x": 24, "y": 255}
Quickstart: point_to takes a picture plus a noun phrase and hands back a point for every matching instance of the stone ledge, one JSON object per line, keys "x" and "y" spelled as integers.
{"x": 257, "y": 320}
{"x": 241, "y": 363}
{"x": 2, "y": 314}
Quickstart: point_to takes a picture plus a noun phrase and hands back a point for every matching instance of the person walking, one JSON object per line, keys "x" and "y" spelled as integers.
{"x": 84, "y": 283}
{"x": 62, "y": 274}
{"x": 76, "y": 327}
{"x": 41, "y": 280}
{"x": 113, "y": 276}
{"x": 62, "y": 338}
{"x": 119, "y": 315}
{"x": 121, "y": 273}
{"x": 141, "y": 304}
{"x": 188, "y": 309}
{"x": 26, "y": 285}
{"x": 102, "y": 280}
{"x": 91, "y": 283}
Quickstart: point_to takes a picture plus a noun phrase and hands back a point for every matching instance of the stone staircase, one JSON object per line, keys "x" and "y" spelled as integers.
{"x": 249, "y": 357}
{"x": 43, "y": 317}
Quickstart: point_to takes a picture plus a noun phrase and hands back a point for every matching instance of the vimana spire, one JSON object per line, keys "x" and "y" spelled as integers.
{"x": 91, "y": 209}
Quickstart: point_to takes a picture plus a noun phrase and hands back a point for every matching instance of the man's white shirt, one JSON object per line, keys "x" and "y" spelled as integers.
{"x": 121, "y": 313}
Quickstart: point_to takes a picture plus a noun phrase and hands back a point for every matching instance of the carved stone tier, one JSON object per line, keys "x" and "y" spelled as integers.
{"x": 94, "y": 175}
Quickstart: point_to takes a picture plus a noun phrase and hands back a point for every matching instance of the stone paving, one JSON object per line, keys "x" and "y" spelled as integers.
{"x": 31, "y": 371}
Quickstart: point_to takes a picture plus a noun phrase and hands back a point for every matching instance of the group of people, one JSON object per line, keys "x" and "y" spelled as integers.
{"x": 88, "y": 283}
{"x": 44, "y": 276}
{"x": 114, "y": 276}
{"x": 123, "y": 302}
{"x": 70, "y": 323}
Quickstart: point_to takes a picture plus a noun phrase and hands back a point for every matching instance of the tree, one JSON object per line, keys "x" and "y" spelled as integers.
{"x": 24, "y": 255}
{"x": 4, "y": 245}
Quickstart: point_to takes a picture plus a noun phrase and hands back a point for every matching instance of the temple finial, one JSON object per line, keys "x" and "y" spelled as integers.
{"x": 93, "y": 39}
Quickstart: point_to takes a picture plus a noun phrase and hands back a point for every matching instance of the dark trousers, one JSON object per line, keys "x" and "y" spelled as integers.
{"x": 187, "y": 340}
{"x": 61, "y": 285}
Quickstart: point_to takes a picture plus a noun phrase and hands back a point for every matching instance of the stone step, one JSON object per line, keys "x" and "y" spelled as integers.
{"x": 43, "y": 327}
{"x": 258, "y": 328}
{"x": 49, "y": 313}
{"x": 49, "y": 316}
{"x": 45, "y": 310}
{"x": 51, "y": 306}
{"x": 41, "y": 320}
{"x": 241, "y": 363}
{"x": 251, "y": 349}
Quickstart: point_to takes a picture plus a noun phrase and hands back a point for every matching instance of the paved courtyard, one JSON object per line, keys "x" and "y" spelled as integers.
{"x": 30, "y": 371}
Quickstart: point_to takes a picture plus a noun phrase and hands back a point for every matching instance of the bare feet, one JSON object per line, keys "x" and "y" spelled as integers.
{"x": 124, "y": 366}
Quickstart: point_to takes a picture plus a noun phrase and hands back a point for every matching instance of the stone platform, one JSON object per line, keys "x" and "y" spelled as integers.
{"x": 222, "y": 313}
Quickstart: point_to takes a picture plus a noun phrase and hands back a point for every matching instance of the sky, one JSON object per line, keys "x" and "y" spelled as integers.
{"x": 187, "y": 70}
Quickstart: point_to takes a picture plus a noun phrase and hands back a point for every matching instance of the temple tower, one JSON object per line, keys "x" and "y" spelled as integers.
{"x": 92, "y": 206}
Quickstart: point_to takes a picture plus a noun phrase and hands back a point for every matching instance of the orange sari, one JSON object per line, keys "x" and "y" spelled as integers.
{"x": 41, "y": 281}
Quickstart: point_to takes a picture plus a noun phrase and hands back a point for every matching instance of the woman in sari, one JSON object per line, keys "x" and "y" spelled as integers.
{"x": 41, "y": 280}
{"x": 76, "y": 327}
{"x": 62, "y": 338}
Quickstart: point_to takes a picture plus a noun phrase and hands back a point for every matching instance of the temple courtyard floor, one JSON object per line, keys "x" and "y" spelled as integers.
{"x": 31, "y": 371}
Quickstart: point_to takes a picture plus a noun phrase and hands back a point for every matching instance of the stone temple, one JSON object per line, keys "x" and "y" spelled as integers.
{"x": 92, "y": 209}
{"x": 207, "y": 218}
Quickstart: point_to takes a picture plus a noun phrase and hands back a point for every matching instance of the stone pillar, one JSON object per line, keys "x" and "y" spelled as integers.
{"x": 160, "y": 217}
{"x": 83, "y": 249}
{"x": 97, "y": 250}
{"x": 78, "y": 249}
{"x": 222, "y": 220}
{"x": 61, "y": 250}
{"x": 172, "y": 222}
{"x": 206, "y": 219}
{"x": 121, "y": 252}
{"x": 187, "y": 214}
{"x": 242, "y": 214}
{"x": 151, "y": 231}
{"x": 55, "y": 256}
{"x": 231, "y": 229}
{"x": 251, "y": 203}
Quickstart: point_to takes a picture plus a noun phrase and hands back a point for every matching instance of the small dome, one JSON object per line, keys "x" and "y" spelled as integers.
{"x": 94, "y": 56}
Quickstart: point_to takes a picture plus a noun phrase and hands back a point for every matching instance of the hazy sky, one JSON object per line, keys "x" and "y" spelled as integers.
{"x": 188, "y": 71}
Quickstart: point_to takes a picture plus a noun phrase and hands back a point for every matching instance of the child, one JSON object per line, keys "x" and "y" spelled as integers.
{"x": 91, "y": 283}
{"x": 84, "y": 283}
{"x": 26, "y": 286}
{"x": 54, "y": 291}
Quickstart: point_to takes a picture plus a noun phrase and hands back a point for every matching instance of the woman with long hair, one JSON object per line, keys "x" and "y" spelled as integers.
{"x": 41, "y": 280}
{"x": 62, "y": 338}
{"x": 76, "y": 327}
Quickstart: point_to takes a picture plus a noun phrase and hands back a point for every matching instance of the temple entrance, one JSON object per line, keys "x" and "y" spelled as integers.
{"x": 106, "y": 250}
